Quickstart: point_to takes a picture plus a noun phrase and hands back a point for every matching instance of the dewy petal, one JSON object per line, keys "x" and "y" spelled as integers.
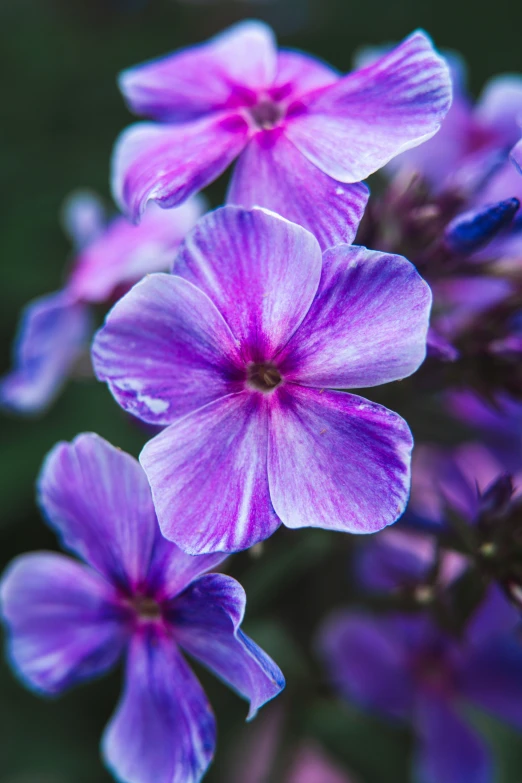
{"x": 63, "y": 620}
{"x": 169, "y": 163}
{"x": 163, "y": 730}
{"x": 52, "y": 334}
{"x": 165, "y": 350}
{"x": 208, "y": 476}
{"x": 336, "y": 461}
{"x": 260, "y": 271}
{"x": 359, "y": 331}
{"x": 207, "y": 619}
{"x": 366, "y": 659}
{"x": 272, "y": 173}
{"x": 200, "y": 79}
{"x": 125, "y": 253}
{"x": 98, "y": 499}
{"x": 352, "y": 128}
{"x": 450, "y": 750}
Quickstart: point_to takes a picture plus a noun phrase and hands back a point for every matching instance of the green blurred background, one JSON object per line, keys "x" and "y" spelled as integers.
{"x": 60, "y": 113}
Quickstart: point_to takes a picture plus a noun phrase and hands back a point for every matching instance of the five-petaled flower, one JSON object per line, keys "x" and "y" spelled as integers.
{"x": 407, "y": 667}
{"x": 304, "y": 133}
{"x": 243, "y": 352}
{"x": 140, "y": 596}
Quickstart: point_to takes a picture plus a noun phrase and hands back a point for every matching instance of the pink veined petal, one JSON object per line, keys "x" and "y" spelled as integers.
{"x": 298, "y": 74}
{"x": 260, "y": 270}
{"x": 63, "y": 619}
{"x": 336, "y": 461}
{"x": 171, "y": 570}
{"x": 53, "y": 332}
{"x": 163, "y": 728}
{"x": 214, "y": 75}
{"x": 124, "y": 253}
{"x": 169, "y": 163}
{"x": 206, "y": 618}
{"x": 359, "y": 332}
{"x": 208, "y": 476}
{"x": 272, "y": 173}
{"x": 449, "y": 749}
{"x": 355, "y": 126}
{"x": 165, "y": 350}
{"x": 97, "y": 498}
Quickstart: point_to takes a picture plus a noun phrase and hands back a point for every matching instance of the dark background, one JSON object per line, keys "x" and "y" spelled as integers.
{"x": 60, "y": 112}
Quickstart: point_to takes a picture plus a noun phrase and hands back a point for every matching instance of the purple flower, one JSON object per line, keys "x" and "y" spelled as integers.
{"x": 137, "y": 596}
{"x": 242, "y": 352}
{"x": 304, "y": 134}
{"x": 405, "y": 667}
{"x": 54, "y": 330}
{"x": 399, "y": 560}
{"x": 455, "y": 479}
{"x": 470, "y": 153}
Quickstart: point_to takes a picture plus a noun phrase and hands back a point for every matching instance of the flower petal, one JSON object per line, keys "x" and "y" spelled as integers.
{"x": 169, "y": 163}
{"x": 336, "y": 461}
{"x": 52, "y": 333}
{"x": 163, "y": 728}
{"x": 492, "y": 678}
{"x": 165, "y": 350}
{"x": 63, "y": 621}
{"x": 272, "y": 173}
{"x": 358, "y": 332}
{"x": 205, "y": 78}
{"x": 83, "y": 217}
{"x": 125, "y": 253}
{"x": 207, "y": 619}
{"x": 98, "y": 499}
{"x": 208, "y": 476}
{"x": 499, "y": 108}
{"x": 298, "y": 74}
{"x": 352, "y": 128}
{"x": 450, "y": 750}
{"x": 260, "y": 271}
{"x": 366, "y": 658}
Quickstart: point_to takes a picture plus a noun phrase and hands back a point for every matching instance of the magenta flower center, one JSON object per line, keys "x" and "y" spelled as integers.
{"x": 265, "y": 377}
{"x": 266, "y": 114}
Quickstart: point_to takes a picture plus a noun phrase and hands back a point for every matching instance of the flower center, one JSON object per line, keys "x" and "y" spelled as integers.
{"x": 147, "y": 608}
{"x": 266, "y": 114}
{"x": 264, "y": 377}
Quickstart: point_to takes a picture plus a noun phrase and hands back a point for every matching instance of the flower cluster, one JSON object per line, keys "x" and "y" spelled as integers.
{"x": 243, "y": 336}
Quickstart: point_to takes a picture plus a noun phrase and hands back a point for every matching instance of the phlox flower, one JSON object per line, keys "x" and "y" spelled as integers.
{"x": 303, "y": 133}
{"x": 242, "y": 352}
{"x": 55, "y": 329}
{"x": 407, "y": 668}
{"x": 138, "y": 596}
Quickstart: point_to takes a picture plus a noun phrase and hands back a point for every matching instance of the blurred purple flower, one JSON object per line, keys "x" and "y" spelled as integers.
{"x": 139, "y": 597}
{"x": 454, "y": 479}
{"x": 400, "y": 560}
{"x": 470, "y": 152}
{"x": 55, "y": 329}
{"x": 242, "y": 352}
{"x": 405, "y": 667}
{"x": 304, "y": 134}
{"x": 311, "y": 765}
{"x": 499, "y": 422}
